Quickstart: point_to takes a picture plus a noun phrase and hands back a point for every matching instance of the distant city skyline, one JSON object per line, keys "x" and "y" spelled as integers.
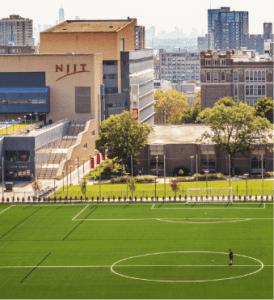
{"x": 164, "y": 15}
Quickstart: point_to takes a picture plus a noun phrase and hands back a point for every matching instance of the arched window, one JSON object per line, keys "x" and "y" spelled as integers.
{"x": 251, "y": 76}
{"x": 207, "y": 76}
{"x": 235, "y": 76}
{"x": 255, "y": 76}
{"x": 259, "y": 76}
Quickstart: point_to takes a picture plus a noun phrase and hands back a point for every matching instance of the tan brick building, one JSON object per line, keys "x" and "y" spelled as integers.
{"x": 178, "y": 146}
{"x": 237, "y": 74}
{"x": 53, "y": 86}
{"x": 125, "y": 61}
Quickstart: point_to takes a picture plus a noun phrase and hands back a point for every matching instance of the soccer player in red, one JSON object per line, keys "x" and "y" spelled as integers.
{"x": 230, "y": 257}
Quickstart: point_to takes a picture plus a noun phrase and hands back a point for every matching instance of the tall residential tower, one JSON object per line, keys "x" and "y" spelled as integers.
{"x": 226, "y": 29}
{"x": 16, "y": 31}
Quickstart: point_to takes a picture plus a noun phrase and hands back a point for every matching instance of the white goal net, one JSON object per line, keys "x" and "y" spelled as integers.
{"x": 210, "y": 192}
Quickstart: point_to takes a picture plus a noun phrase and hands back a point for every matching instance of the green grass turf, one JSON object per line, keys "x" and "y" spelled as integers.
{"x": 143, "y": 190}
{"x": 154, "y": 251}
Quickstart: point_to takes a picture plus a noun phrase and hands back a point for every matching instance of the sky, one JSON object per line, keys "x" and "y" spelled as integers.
{"x": 165, "y": 15}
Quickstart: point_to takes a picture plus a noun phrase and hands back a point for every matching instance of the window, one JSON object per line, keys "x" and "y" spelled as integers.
{"x": 235, "y": 76}
{"x": 208, "y": 63}
{"x": 251, "y": 76}
{"x": 255, "y": 89}
{"x": 223, "y": 76}
{"x": 82, "y": 100}
{"x": 251, "y": 90}
{"x": 259, "y": 90}
{"x": 236, "y": 91}
{"x": 247, "y": 90}
{"x": 122, "y": 41}
{"x": 255, "y": 76}
{"x": 215, "y": 77}
{"x": 208, "y": 77}
{"x": 110, "y": 76}
{"x": 259, "y": 76}
{"x": 263, "y": 89}
{"x": 216, "y": 62}
{"x": 263, "y": 76}
{"x": 247, "y": 76}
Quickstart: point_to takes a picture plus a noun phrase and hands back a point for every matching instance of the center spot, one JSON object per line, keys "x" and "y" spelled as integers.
{"x": 186, "y": 266}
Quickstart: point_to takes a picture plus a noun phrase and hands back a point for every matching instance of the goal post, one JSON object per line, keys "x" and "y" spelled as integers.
{"x": 210, "y": 192}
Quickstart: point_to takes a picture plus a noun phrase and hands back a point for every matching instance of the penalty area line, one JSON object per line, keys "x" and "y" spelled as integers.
{"x": 80, "y": 212}
{"x": 5, "y": 209}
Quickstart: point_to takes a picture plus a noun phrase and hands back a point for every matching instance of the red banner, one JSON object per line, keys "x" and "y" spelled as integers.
{"x": 135, "y": 115}
{"x": 104, "y": 157}
{"x": 98, "y": 158}
{"x": 92, "y": 163}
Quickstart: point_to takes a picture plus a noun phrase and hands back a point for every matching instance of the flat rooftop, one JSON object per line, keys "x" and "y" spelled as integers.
{"x": 91, "y": 26}
{"x": 177, "y": 134}
{"x": 185, "y": 134}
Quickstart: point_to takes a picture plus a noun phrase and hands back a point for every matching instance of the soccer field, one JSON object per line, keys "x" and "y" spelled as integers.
{"x": 136, "y": 250}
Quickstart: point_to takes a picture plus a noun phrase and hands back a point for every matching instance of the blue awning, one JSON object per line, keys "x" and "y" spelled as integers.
{"x": 21, "y": 93}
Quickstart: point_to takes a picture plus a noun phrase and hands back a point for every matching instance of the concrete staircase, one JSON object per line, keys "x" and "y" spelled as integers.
{"x": 59, "y": 153}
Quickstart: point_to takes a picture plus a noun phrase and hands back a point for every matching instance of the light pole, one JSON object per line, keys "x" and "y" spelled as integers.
{"x": 262, "y": 166}
{"x": 127, "y": 184}
{"x": 229, "y": 169}
{"x": 155, "y": 186}
{"x": 246, "y": 176}
{"x": 54, "y": 178}
{"x": 197, "y": 174}
{"x": 25, "y": 120}
{"x": 70, "y": 167}
{"x": 165, "y": 174}
{"x": 19, "y": 122}
{"x": 206, "y": 171}
{"x": 13, "y": 125}
{"x": 63, "y": 173}
{"x": 30, "y": 118}
{"x": 191, "y": 157}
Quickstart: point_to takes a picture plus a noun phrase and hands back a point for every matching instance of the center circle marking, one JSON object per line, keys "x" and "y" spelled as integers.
{"x": 206, "y": 280}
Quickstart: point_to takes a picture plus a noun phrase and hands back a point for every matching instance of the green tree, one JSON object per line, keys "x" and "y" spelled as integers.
{"x": 190, "y": 115}
{"x": 84, "y": 186}
{"x": 122, "y": 137}
{"x": 264, "y": 108}
{"x": 235, "y": 128}
{"x": 170, "y": 105}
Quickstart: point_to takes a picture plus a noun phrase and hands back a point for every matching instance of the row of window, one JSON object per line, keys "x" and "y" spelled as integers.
{"x": 255, "y": 76}
{"x": 33, "y": 101}
{"x": 215, "y": 62}
{"x": 255, "y": 90}
{"x": 258, "y": 76}
{"x": 16, "y": 156}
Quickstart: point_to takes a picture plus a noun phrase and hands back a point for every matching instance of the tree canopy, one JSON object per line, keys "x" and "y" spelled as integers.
{"x": 122, "y": 137}
{"x": 235, "y": 128}
{"x": 170, "y": 104}
{"x": 264, "y": 108}
{"x": 190, "y": 114}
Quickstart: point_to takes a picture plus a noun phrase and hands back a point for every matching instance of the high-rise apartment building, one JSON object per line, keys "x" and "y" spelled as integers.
{"x": 61, "y": 14}
{"x": 179, "y": 66}
{"x": 16, "y": 31}
{"x": 140, "y": 39}
{"x": 226, "y": 29}
{"x": 268, "y": 31}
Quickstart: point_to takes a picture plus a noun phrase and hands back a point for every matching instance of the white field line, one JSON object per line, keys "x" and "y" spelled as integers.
{"x": 5, "y": 209}
{"x": 108, "y": 266}
{"x": 144, "y": 219}
{"x": 152, "y": 206}
{"x": 80, "y": 212}
{"x": 209, "y": 207}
